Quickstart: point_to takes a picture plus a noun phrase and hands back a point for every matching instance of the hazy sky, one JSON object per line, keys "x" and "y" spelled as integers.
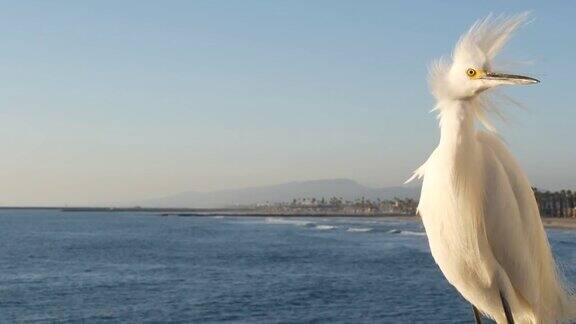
{"x": 120, "y": 100}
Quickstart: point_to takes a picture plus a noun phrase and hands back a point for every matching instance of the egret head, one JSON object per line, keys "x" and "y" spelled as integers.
{"x": 470, "y": 71}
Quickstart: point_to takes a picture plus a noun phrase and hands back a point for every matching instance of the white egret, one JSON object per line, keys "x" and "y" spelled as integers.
{"x": 477, "y": 205}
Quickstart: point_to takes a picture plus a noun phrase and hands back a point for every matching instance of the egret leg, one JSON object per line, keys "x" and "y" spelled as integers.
{"x": 477, "y": 315}
{"x": 507, "y": 311}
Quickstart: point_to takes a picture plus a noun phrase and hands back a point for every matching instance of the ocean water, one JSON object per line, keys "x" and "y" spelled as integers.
{"x": 138, "y": 267}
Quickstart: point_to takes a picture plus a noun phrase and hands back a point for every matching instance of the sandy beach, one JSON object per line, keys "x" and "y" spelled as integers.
{"x": 554, "y": 222}
{"x": 549, "y": 222}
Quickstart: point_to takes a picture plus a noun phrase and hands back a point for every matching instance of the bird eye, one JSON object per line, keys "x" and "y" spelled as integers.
{"x": 471, "y": 72}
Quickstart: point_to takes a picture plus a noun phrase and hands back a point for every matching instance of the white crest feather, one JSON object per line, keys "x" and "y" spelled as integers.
{"x": 483, "y": 41}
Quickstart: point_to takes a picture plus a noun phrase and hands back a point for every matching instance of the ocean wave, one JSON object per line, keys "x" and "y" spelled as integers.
{"x": 397, "y": 231}
{"x": 324, "y": 227}
{"x": 413, "y": 233}
{"x": 360, "y": 229}
{"x": 278, "y": 220}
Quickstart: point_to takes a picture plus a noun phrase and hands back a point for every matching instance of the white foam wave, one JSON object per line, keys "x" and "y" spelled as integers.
{"x": 324, "y": 227}
{"x": 277, "y": 220}
{"x": 413, "y": 233}
{"x": 359, "y": 229}
{"x": 397, "y": 231}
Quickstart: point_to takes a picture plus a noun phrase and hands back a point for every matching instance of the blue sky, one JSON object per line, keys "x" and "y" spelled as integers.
{"x": 115, "y": 101}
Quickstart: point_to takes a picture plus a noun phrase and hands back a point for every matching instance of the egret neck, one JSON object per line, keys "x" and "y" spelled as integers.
{"x": 457, "y": 134}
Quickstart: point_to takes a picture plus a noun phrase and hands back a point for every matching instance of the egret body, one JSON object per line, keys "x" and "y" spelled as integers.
{"x": 477, "y": 205}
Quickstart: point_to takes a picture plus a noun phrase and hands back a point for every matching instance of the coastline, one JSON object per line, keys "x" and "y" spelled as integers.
{"x": 549, "y": 222}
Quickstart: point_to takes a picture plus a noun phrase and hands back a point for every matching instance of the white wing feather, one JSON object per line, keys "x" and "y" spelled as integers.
{"x": 517, "y": 236}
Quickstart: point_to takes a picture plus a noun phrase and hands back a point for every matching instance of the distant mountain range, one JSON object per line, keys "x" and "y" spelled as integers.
{"x": 345, "y": 188}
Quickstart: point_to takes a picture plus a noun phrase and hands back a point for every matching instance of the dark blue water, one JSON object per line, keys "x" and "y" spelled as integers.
{"x": 105, "y": 267}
